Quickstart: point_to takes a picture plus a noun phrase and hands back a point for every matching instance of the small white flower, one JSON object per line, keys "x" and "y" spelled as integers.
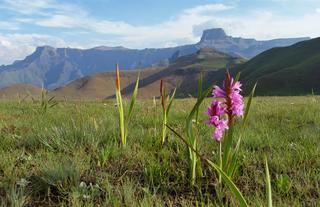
{"x": 23, "y": 182}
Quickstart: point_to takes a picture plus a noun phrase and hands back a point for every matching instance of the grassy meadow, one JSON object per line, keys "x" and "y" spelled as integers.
{"x": 70, "y": 155}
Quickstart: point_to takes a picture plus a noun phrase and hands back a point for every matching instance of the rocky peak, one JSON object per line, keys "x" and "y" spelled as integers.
{"x": 213, "y": 34}
{"x": 40, "y": 52}
{"x": 44, "y": 48}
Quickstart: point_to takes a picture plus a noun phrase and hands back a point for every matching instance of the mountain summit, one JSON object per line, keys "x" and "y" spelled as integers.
{"x": 213, "y": 34}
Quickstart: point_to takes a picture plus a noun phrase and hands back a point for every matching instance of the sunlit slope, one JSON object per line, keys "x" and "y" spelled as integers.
{"x": 292, "y": 70}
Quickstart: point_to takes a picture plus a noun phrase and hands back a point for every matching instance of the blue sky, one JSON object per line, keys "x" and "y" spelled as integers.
{"x": 25, "y": 24}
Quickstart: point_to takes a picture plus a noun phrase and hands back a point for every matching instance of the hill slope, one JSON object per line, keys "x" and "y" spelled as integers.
{"x": 292, "y": 70}
{"x": 19, "y": 91}
{"x": 182, "y": 73}
{"x": 98, "y": 86}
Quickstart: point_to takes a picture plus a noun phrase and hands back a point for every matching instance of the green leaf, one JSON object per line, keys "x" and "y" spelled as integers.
{"x": 51, "y": 99}
{"x": 268, "y": 184}
{"x": 53, "y": 104}
{"x": 199, "y": 93}
{"x": 165, "y": 110}
{"x": 227, "y": 144}
{"x": 121, "y": 117}
{"x": 133, "y": 98}
{"x": 194, "y": 109}
{"x": 200, "y": 84}
{"x": 234, "y": 160}
{"x": 237, "y": 77}
{"x": 191, "y": 138}
{"x": 283, "y": 183}
{"x": 249, "y": 104}
{"x": 170, "y": 101}
{"x": 227, "y": 180}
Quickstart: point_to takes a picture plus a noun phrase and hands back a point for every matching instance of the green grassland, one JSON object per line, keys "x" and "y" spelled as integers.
{"x": 70, "y": 155}
{"x": 283, "y": 71}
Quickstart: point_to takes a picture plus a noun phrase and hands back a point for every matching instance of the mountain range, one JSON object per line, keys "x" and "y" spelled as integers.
{"x": 55, "y": 67}
{"x": 291, "y": 70}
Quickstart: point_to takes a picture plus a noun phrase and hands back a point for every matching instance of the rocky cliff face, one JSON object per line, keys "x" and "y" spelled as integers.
{"x": 213, "y": 34}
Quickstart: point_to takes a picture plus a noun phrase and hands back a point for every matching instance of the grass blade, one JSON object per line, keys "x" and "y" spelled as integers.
{"x": 268, "y": 184}
{"x": 155, "y": 115}
{"x": 193, "y": 161}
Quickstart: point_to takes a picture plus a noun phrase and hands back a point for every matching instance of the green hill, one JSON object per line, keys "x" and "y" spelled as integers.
{"x": 206, "y": 58}
{"x": 292, "y": 70}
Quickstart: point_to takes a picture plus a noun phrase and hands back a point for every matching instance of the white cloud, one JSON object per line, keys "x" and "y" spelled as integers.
{"x": 60, "y": 21}
{"x": 266, "y": 25}
{"x": 178, "y": 29}
{"x": 8, "y": 25}
{"x": 25, "y": 7}
{"x": 207, "y": 8}
{"x": 318, "y": 10}
{"x": 37, "y": 7}
{"x": 184, "y": 28}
